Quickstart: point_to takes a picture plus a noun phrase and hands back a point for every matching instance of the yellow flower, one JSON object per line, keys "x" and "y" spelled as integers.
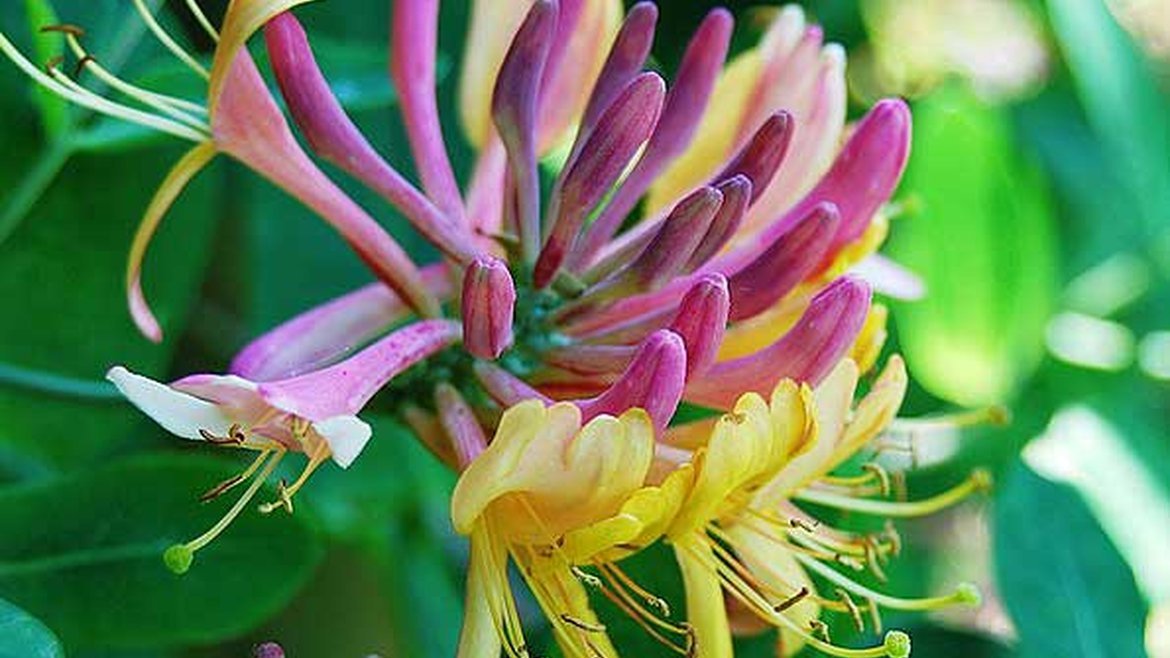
{"x": 556, "y": 496}
{"x": 741, "y": 530}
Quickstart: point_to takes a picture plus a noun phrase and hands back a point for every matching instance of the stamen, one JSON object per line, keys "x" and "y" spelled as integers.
{"x": 587, "y": 578}
{"x": 875, "y": 615}
{"x": 235, "y": 436}
{"x": 656, "y": 602}
{"x": 178, "y": 558}
{"x": 881, "y": 474}
{"x": 59, "y": 84}
{"x": 995, "y": 415}
{"x": 854, "y": 611}
{"x": 792, "y": 600}
{"x": 285, "y": 493}
{"x": 582, "y": 624}
{"x": 64, "y": 28}
{"x": 965, "y": 594}
{"x": 124, "y": 112}
{"x": 230, "y": 483}
{"x": 175, "y": 108}
{"x": 892, "y": 647}
{"x": 978, "y": 481}
{"x": 169, "y": 43}
{"x": 201, "y": 18}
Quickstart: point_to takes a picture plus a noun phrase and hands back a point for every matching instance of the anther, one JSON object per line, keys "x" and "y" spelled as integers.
{"x": 891, "y": 533}
{"x": 587, "y": 578}
{"x": 854, "y": 611}
{"x": 285, "y": 500}
{"x": 820, "y": 629}
{"x": 881, "y": 474}
{"x": 64, "y": 28}
{"x": 53, "y": 63}
{"x": 582, "y": 624}
{"x": 804, "y": 525}
{"x": 659, "y": 604}
{"x": 221, "y": 488}
{"x": 235, "y": 436}
{"x": 792, "y": 600}
{"x": 82, "y": 63}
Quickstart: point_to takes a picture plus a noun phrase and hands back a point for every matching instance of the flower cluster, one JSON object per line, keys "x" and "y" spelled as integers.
{"x": 623, "y": 247}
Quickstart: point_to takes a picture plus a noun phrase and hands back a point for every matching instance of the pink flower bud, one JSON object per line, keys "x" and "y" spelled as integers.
{"x": 489, "y": 300}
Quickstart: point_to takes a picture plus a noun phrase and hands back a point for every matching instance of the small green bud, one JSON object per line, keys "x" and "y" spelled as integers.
{"x": 178, "y": 558}
{"x": 968, "y": 594}
{"x": 897, "y": 644}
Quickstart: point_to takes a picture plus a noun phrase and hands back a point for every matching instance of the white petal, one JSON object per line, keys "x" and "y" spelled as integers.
{"x": 178, "y": 413}
{"x": 346, "y": 436}
{"x": 890, "y": 278}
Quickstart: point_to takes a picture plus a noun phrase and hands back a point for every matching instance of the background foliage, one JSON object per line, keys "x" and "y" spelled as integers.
{"x": 1038, "y": 220}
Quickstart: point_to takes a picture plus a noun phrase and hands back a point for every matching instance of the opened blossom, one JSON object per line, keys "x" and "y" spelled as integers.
{"x": 545, "y": 354}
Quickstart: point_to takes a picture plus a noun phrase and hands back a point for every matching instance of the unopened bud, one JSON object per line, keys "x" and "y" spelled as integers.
{"x": 489, "y": 301}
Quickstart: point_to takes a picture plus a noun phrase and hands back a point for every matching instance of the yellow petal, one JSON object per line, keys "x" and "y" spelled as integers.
{"x": 642, "y": 520}
{"x": 740, "y": 453}
{"x": 570, "y": 475}
{"x": 242, "y": 19}
{"x": 832, "y": 399}
{"x": 479, "y": 637}
{"x": 485, "y": 478}
{"x": 706, "y": 612}
{"x": 754, "y": 334}
{"x": 179, "y": 176}
{"x": 872, "y": 338}
{"x": 493, "y": 24}
{"x": 875, "y": 411}
{"x": 716, "y": 136}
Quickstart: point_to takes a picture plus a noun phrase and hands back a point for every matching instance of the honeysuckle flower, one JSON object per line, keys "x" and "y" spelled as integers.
{"x": 314, "y": 413}
{"x": 742, "y": 529}
{"x": 582, "y": 328}
{"x": 553, "y": 493}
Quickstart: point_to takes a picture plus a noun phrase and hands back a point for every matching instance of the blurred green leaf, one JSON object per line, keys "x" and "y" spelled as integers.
{"x": 983, "y": 244}
{"x": 1068, "y": 590}
{"x": 1083, "y": 449}
{"x": 84, "y": 553}
{"x": 61, "y": 275}
{"x": 1120, "y": 96}
{"x": 22, "y": 636}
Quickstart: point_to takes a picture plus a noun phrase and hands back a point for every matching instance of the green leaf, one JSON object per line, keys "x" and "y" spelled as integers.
{"x": 62, "y": 282}
{"x": 983, "y": 244}
{"x": 23, "y": 636}
{"x": 1120, "y": 96}
{"x": 84, "y": 553}
{"x": 1068, "y": 590}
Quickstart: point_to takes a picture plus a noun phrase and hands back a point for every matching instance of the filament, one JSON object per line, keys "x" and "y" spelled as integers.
{"x": 978, "y": 481}
{"x": 320, "y": 454}
{"x": 207, "y": 537}
{"x": 960, "y": 595}
{"x": 201, "y": 18}
{"x": 169, "y": 43}
{"x": 59, "y": 84}
{"x": 174, "y": 107}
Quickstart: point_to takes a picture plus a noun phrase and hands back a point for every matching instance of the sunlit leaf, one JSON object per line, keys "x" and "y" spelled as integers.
{"x": 1121, "y": 99}
{"x": 983, "y": 243}
{"x": 84, "y": 554}
{"x": 23, "y": 636}
{"x": 1069, "y": 592}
